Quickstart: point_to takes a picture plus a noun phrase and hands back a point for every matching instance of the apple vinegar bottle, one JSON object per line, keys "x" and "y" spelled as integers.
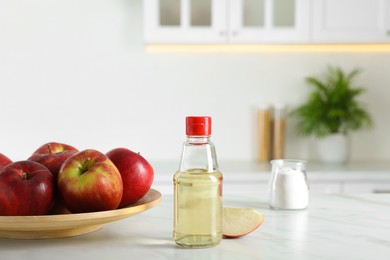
{"x": 198, "y": 189}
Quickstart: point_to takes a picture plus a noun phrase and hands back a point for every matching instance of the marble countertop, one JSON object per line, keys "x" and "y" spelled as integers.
{"x": 332, "y": 227}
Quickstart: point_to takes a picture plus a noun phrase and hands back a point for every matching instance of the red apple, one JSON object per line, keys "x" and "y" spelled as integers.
{"x": 53, "y": 155}
{"x": 88, "y": 181}
{"x": 4, "y": 160}
{"x": 137, "y": 174}
{"x": 26, "y": 188}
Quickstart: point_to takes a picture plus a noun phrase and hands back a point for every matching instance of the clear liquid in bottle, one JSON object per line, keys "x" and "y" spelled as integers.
{"x": 198, "y": 201}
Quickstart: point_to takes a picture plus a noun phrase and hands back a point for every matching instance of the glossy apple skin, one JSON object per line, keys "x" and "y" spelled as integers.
{"x": 88, "y": 181}
{"x": 137, "y": 174}
{"x": 4, "y": 160}
{"x": 53, "y": 155}
{"x": 26, "y": 189}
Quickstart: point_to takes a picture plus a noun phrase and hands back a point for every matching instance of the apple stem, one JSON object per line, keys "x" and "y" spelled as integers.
{"x": 24, "y": 176}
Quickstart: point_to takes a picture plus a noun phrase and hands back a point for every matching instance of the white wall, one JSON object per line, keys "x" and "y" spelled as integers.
{"x": 77, "y": 72}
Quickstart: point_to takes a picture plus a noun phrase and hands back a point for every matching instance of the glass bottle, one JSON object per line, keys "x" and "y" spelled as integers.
{"x": 198, "y": 189}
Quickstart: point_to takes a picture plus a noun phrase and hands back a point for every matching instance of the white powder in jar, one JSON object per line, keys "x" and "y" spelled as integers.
{"x": 289, "y": 190}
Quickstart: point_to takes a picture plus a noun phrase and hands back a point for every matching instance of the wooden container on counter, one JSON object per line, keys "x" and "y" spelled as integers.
{"x": 264, "y": 133}
{"x": 278, "y": 132}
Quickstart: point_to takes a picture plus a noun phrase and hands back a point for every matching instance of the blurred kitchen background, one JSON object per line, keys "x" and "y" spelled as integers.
{"x": 78, "y": 72}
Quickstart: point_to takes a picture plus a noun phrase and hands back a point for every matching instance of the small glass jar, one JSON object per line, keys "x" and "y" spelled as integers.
{"x": 288, "y": 186}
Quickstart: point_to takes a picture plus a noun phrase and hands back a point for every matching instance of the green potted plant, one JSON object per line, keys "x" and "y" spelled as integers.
{"x": 331, "y": 112}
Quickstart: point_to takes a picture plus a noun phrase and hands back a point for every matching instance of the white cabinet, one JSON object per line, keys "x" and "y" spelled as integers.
{"x": 224, "y": 21}
{"x": 366, "y": 187}
{"x": 351, "y": 21}
{"x": 269, "y": 21}
{"x": 327, "y": 186}
{"x": 266, "y": 21}
{"x": 252, "y": 178}
{"x": 184, "y": 21}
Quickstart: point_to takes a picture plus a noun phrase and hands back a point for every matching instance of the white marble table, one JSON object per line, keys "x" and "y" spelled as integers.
{"x": 333, "y": 227}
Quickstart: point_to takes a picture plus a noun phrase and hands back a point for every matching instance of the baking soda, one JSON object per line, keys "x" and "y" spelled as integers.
{"x": 289, "y": 189}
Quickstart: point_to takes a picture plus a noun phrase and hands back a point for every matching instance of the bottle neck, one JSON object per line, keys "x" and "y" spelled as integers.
{"x": 198, "y": 154}
{"x": 198, "y": 139}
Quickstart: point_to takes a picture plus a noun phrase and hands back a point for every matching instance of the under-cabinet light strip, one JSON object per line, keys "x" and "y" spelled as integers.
{"x": 268, "y": 48}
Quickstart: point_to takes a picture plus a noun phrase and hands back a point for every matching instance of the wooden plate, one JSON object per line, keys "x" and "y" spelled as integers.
{"x": 68, "y": 225}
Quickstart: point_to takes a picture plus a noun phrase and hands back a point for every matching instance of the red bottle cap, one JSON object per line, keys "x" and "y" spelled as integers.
{"x": 198, "y": 125}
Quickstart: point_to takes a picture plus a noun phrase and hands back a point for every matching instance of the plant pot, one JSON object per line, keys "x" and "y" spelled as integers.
{"x": 333, "y": 149}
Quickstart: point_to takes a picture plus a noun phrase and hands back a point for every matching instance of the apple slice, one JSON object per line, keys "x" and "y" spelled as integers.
{"x": 239, "y": 222}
